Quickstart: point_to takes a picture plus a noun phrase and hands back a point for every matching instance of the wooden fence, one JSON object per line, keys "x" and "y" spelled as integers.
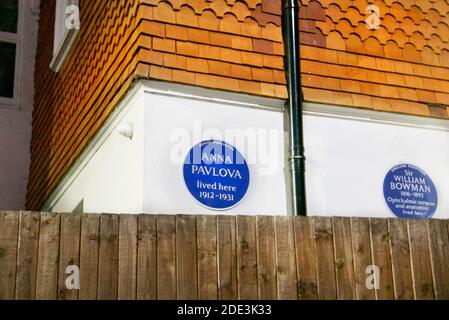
{"x": 220, "y": 257}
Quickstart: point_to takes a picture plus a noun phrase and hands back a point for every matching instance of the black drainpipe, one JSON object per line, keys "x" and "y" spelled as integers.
{"x": 296, "y": 158}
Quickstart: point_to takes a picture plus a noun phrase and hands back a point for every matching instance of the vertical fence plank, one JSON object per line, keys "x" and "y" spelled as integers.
{"x": 186, "y": 253}
{"x": 166, "y": 258}
{"x": 147, "y": 258}
{"x": 286, "y": 262}
{"x": 108, "y": 258}
{"x": 27, "y": 256}
{"x": 127, "y": 264}
{"x": 305, "y": 258}
{"x": 90, "y": 243}
{"x": 247, "y": 258}
{"x": 420, "y": 256}
{"x": 9, "y": 235}
{"x": 382, "y": 258}
{"x": 439, "y": 253}
{"x": 400, "y": 259}
{"x": 324, "y": 244}
{"x": 48, "y": 260}
{"x": 344, "y": 263}
{"x": 266, "y": 259}
{"x": 207, "y": 257}
{"x": 69, "y": 253}
{"x": 361, "y": 248}
{"x": 227, "y": 257}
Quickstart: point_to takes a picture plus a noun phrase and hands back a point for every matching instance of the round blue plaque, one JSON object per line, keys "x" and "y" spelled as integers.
{"x": 216, "y": 175}
{"x": 410, "y": 193}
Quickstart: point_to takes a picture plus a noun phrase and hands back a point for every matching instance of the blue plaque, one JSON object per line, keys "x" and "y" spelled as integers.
{"x": 410, "y": 192}
{"x": 216, "y": 175}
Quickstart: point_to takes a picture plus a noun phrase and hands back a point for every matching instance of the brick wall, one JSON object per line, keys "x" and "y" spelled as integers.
{"x": 403, "y": 66}
{"x": 71, "y": 105}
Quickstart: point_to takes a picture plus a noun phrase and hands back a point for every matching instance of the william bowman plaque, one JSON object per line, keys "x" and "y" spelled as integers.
{"x": 410, "y": 193}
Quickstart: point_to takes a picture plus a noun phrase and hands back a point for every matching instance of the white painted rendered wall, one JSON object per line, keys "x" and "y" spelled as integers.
{"x": 118, "y": 175}
{"x": 349, "y": 157}
{"x": 109, "y": 178}
{"x": 15, "y": 117}
{"x": 172, "y": 120}
{"x": 348, "y": 152}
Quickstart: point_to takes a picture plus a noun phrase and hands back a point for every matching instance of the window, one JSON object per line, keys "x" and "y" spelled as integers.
{"x": 9, "y": 39}
{"x": 9, "y": 15}
{"x": 67, "y": 25}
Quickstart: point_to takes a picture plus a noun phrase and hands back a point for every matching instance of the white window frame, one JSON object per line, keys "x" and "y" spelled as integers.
{"x": 63, "y": 37}
{"x": 14, "y": 38}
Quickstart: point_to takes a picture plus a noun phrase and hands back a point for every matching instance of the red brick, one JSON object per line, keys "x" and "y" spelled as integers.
{"x": 273, "y": 7}
{"x": 219, "y": 68}
{"x": 442, "y": 98}
{"x": 321, "y": 82}
{"x": 426, "y": 96}
{"x": 438, "y": 112}
{"x": 241, "y": 72}
{"x": 145, "y": 12}
{"x": 145, "y": 42}
{"x": 164, "y": 12}
{"x": 166, "y": 45}
{"x": 176, "y": 32}
{"x": 206, "y": 80}
{"x": 381, "y": 104}
{"x": 350, "y": 86}
{"x": 400, "y": 106}
{"x": 196, "y": 35}
{"x": 153, "y": 28}
{"x": 312, "y": 39}
{"x": 187, "y": 48}
{"x": 249, "y": 87}
{"x": 279, "y": 76}
{"x": 183, "y": 76}
{"x": 252, "y": 59}
{"x": 265, "y": 75}
{"x": 263, "y": 46}
{"x": 228, "y": 84}
{"x": 314, "y": 11}
{"x": 273, "y": 62}
{"x": 220, "y": 39}
{"x": 209, "y": 52}
{"x": 230, "y": 55}
{"x": 241, "y": 43}
{"x": 419, "y": 109}
{"x": 142, "y": 71}
{"x": 161, "y": 73}
{"x": 197, "y": 65}
{"x": 151, "y": 57}
{"x": 175, "y": 61}
{"x": 362, "y": 101}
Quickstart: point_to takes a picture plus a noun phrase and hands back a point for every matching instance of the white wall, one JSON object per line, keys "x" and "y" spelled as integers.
{"x": 175, "y": 124}
{"x": 108, "y": 178}
{"x": 348, "y": 152}
{"x": 15, "y": 133}
{"x": 119, "y": 175}
{"x": 348, "y": 158}
{"x": 15, "y": 117}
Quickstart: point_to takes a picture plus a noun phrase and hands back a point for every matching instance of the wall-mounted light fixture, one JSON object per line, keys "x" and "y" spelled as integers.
{"x": 126, "y": 130}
